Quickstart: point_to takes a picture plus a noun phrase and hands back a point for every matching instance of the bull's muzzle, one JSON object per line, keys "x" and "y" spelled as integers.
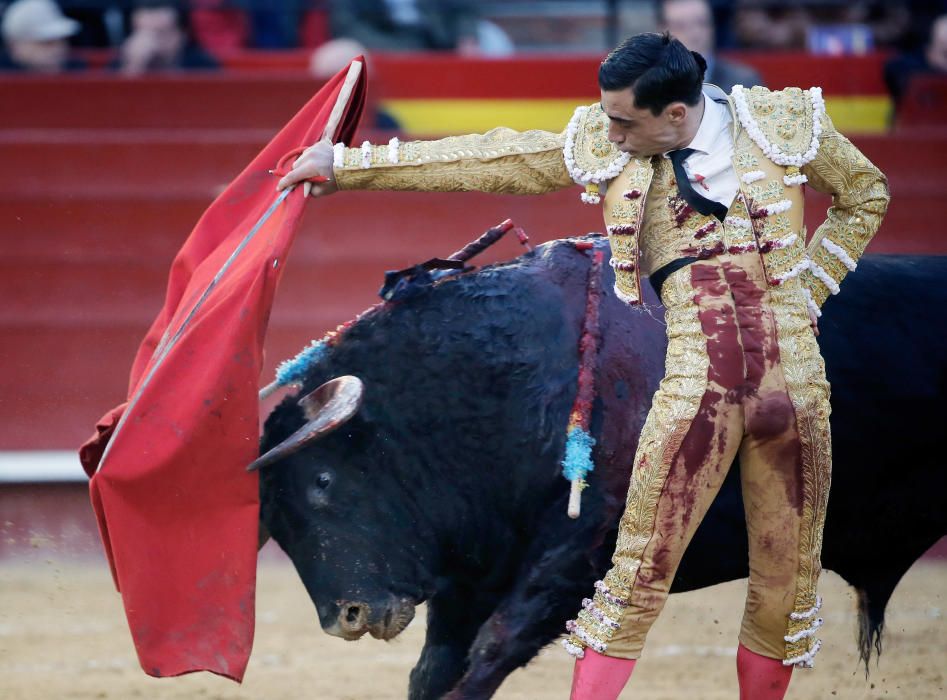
{"x": 383, "y": 621}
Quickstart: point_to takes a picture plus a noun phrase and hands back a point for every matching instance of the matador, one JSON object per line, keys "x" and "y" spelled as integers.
{"x": 702, "y": 192}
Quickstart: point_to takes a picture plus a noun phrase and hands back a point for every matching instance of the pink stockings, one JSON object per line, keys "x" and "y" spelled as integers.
{"x": 761, "y": 678}
{"x": 600, "y": 677}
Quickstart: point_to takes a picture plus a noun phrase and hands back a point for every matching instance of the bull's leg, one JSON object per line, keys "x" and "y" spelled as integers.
{"x": 559, "y": 568}
{"x": 453, "y": 619}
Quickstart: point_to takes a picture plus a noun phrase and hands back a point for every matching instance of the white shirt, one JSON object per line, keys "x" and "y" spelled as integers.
{"x": 710, "y": 168}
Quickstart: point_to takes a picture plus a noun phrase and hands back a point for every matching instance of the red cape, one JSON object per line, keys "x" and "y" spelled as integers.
{"x": 177, "y": 511}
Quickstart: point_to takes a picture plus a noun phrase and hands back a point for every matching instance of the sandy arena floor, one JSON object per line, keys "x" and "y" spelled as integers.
{"x": 63, "y": 636}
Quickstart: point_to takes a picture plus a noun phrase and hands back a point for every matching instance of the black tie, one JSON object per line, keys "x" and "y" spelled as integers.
{"x": 691, "y": 196}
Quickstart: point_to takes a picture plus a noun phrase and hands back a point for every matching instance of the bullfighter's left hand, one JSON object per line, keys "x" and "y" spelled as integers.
{"x": 314, "y": 163}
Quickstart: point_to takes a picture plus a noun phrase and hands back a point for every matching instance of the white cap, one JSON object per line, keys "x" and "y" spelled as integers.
{"x": 36, "y": 20}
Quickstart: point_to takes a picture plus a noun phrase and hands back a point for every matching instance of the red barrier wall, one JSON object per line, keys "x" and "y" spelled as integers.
{"x": 102, "y": 179}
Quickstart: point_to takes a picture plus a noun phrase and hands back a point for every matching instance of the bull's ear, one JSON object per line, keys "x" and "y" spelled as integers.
{"x": 325, "y": 408}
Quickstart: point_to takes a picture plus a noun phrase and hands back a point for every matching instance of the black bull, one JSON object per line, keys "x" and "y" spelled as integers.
{"x": 445, "y": 485}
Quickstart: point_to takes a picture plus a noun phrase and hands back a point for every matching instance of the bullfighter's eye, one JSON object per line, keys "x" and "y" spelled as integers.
{"x": 323, "y": 480}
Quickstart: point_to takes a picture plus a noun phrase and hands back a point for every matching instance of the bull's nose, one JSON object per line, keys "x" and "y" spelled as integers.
{"x": 353, "y": 617}
{"x": 384, "y": 619}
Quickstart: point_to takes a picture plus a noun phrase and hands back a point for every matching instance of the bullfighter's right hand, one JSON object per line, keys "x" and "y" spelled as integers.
{"x": 314, "y": 162}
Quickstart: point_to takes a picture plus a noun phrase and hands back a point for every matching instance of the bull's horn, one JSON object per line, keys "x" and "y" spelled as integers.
{"x": 326, "y": 408}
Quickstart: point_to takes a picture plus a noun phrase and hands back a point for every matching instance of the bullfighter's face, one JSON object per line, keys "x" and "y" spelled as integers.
{"x": 640, "y": 132}
{"x": 338, "y": 510}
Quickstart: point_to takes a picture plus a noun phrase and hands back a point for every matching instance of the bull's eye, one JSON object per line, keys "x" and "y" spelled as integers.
{"x": 318, "y": 493}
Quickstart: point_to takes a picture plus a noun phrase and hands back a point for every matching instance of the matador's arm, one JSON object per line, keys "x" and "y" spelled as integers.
{"x": 859, "y": 201}
{"x": 500, "y": 161}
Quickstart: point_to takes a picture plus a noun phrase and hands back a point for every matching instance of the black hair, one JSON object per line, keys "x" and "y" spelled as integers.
{"x": 658, "y": 68}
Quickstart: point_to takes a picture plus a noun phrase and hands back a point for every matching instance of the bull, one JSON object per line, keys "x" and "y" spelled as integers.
{"x": 420, "y": 460}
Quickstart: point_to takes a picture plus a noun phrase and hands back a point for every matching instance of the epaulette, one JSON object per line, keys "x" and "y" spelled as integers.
{"x": 785, "y": 124}
{"x": 590, "y": 157}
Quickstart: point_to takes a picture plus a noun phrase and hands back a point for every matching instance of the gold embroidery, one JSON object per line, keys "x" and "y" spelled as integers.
{"x": 770, "y": 231}
{"x": 625, "y": 202}
{"x": 784, "y": 116}
{"x": 665, "y": 235}
{"x": 506, "y": 161}
{"x": 673, "y": 409}
{"x": 661, "y": 239}
{"x": 739, "y": 234}
{"x": 786, "y": 129}
{"x": 501, "y": 160}
{"x": 746, "y": 161}
{"x": 804, "y": 370}
{"x": 766, "y": 192}
{"x": 592, "y": 150}
{"x": 859, "y": 202}
{"x": 624, "y": 211}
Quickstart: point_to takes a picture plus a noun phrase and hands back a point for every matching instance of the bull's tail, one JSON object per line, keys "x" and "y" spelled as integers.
{"x": 871, "y": 624}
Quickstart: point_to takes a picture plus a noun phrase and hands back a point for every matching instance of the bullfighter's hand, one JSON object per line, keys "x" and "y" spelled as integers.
{"x": 314, "y": 162}
{"x": 814, "y": 321}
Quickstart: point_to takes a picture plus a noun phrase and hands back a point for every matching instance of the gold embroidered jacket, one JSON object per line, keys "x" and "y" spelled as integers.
{"x": 781, "y": 139}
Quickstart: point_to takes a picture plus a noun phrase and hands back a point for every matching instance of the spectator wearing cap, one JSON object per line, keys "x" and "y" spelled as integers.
{"x": 160, "y": 40}
{"x": 36, "y": 38}
{"x": 692, "y": 22}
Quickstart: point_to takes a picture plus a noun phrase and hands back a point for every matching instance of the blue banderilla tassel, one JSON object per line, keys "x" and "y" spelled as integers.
{"x": 294, "y": 370}
{"x": 578, "y": 458}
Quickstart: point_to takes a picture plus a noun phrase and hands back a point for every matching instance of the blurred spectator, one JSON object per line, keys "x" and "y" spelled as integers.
{"x": 764, "y": 24}
{"x": 160, "y": 40}
{"x": 333, "y": 56}
{"x": 225, "y": 26}
{"x": 931, "y": 59}
{"x": 219, "y": 26}
{"x": 406, "y": 25}
{"x": 101, "y": 22}
{"x": 275, "y": 23}
{"x": 36, "y": 38}
{"x": 787, "y": 24}
{"x": 923, "y": 13}
{"x": 890, "y": 22}
{"x": 692, "y": 22}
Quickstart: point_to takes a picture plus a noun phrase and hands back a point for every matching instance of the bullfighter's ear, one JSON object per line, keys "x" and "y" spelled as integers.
{"x": 326, "y": 408}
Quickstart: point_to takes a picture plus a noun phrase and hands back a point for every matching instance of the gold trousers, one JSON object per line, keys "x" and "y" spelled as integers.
{"x": 743, "y": 376}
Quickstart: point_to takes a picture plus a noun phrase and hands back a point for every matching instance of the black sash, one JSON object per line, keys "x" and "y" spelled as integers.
{"x": 658, "y": 277}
